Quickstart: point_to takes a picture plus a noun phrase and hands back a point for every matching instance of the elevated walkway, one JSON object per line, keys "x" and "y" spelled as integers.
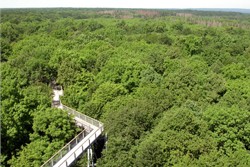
{"x": 80, "y": 143}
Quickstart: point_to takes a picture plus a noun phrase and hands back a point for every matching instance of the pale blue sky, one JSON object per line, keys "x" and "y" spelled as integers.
{"x": 127, "y": 3}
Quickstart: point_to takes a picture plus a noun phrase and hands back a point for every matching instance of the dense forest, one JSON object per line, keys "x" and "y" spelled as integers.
{"x": 171, "y": 87}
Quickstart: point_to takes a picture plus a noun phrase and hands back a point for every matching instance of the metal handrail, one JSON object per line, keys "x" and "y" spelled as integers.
{"x": 84, "y": 142}
{"x": 51, "y": 161}
{"x": 83, "y": 116}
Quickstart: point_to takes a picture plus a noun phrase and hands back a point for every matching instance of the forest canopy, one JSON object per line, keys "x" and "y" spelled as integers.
{"x": 172, "y": 87}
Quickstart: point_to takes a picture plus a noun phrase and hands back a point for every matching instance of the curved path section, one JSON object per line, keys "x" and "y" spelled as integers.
{"x": 79, "y": 144}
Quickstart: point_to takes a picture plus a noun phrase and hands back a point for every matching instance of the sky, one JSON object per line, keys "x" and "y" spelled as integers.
{"x": 245, "y": 4}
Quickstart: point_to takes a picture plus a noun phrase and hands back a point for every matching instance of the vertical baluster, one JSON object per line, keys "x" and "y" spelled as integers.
{"x": 75, "y": 155}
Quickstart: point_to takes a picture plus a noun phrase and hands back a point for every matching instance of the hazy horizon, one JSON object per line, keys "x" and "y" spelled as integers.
{"x": 147, "y": 4}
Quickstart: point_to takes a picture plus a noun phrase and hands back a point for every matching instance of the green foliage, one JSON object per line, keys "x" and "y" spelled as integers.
{"x": 193, "y": 45}
{"x": 35, "y": 153}
{"x": 105, "y": 93}
{"x": 235, "y": 71}
{"x": 190, "y": 79}
{"x": 231, "y": 126}
{"x": 172, "y": 87}
{"x": 126, "y": 72}
{"x": 53, "y": 125}
{"x": 5, "y": 49}
{"x": 77, "y": 93}
{"x": 237, "y": 93}
{"x": 51, "y": 129}
{"x": 180, "y": 133}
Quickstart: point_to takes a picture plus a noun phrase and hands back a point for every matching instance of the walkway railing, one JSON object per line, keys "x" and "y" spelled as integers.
{"x": 69, "y": 153}
{"x": 79, "y": 148}
{"x": 83, "y": 117}
{"x": 63, "y": 151}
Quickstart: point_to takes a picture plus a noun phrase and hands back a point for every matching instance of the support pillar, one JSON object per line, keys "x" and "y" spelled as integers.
{"x": 90, "y": 157}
